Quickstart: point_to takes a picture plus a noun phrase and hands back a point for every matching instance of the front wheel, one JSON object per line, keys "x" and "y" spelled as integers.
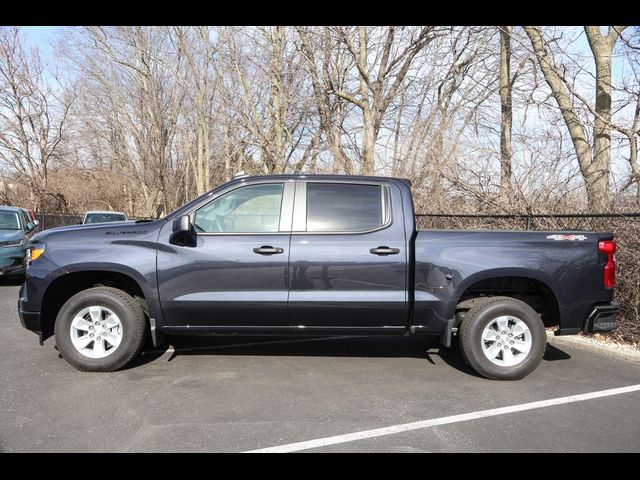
{"x": 100, "y": 329}
{"x": 502, "y": 338}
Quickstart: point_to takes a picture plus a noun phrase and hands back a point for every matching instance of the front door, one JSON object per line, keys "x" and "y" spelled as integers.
{"x": 235, "y": 274}
{"x": 348, "y": 256}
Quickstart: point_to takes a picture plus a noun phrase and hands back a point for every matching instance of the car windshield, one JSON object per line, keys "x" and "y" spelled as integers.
{"x": 104, "y": 217}
{"x": 9, "y": 221}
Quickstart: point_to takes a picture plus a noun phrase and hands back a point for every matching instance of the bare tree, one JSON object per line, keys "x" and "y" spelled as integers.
{"x": 383, "y": 61}
{"x": 33, "y": 116}
{"x": 199, "y": 81}
{"x": 132, "y": 87}
{"x": 594, "y": 160}
{"x": 506, "y": 109}
{"x": 328, "y": 65}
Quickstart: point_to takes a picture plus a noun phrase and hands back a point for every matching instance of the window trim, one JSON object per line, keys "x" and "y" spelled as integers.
{"x": 286, "y": 208}
{"x": 299, "y": 225}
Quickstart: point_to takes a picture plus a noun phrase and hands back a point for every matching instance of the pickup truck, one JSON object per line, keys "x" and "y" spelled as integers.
{"x": 314, "y": 255}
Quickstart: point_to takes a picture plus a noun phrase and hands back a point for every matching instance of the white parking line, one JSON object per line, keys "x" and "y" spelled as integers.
{"x": 378, "y": 432}
{"x": 253, "y": 344}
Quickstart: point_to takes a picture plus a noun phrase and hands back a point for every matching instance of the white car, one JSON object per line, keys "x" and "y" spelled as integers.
{"x": 103, "y": 216}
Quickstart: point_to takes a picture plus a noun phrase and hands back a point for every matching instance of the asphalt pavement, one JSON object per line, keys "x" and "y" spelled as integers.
{"x": 235, "y": 394}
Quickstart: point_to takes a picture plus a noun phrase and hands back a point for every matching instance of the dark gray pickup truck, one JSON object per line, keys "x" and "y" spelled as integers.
{"x": 314, "y": 255}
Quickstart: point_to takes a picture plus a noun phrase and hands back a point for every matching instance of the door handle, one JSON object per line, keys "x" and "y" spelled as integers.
{"x": 384, "y": 251}
{"x": 267, "y": 250}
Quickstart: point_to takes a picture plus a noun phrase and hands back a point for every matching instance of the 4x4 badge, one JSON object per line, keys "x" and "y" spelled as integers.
{"x": 566, "y": 237}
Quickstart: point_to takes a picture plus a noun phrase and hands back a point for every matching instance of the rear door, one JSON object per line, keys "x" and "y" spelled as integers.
{"x": 348, "y": 256}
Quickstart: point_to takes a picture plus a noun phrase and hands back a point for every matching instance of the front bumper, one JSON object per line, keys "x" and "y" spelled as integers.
{"x": 602, "y": 318}
{"x": 12, "y": 260}
{"x": 29, "y": 320}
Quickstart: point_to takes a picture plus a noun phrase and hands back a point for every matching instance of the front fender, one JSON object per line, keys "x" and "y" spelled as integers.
{"x": 146, "y": 279}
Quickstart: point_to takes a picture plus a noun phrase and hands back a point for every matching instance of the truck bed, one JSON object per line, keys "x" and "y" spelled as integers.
{"x": 451, "y": 263}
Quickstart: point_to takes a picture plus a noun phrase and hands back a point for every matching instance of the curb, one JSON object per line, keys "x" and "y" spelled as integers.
{"x": 617, "y": 350}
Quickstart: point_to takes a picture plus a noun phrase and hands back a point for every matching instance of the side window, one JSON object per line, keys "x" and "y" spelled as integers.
{"x": 250, "y": 209}
{"x": 341, "y": 207}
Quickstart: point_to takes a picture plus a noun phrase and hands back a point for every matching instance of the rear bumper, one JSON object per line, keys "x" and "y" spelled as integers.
{"x": 602, "y": 319}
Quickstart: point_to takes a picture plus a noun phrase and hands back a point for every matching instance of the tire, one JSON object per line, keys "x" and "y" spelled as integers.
{"x": 482, "y": 340}
{"x": 102, "y": 309}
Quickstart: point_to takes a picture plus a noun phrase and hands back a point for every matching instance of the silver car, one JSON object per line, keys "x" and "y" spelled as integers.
{"x": 103, "y": 216}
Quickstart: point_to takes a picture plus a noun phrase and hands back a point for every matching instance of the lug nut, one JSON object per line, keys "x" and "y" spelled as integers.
{"x": 505, "y": 347}
{"x": 90, "y": 328}
{"x": 98, "y": 338}
{"x": 97, "y": 323}
{"x": 91, "y": 334}
{"x": 512, "y": 342}
{"x": 499, "y": 344}
{"x": 497, "y": 337}
{"x": 502, "y": 332}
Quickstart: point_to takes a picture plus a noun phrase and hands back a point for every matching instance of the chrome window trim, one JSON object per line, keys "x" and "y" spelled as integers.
{"x": 288, "y": 186}
{"x": 300, "y": 207}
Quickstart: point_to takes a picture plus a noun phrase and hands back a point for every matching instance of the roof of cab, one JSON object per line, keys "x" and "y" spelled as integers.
{"x": 322, "y": 176}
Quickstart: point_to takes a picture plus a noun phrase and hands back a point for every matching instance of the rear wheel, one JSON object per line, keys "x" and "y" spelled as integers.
{"x": 100, "y": 329}
{"x": 502, "y": 338}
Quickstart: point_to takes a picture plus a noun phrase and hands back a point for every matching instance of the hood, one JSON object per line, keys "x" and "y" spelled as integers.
{"x": 90, "y": 229}
{"x": 7, "y": 235}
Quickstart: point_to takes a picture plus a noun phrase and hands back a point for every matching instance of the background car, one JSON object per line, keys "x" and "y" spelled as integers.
{"x": 103, "y": 216}
{"x": 32, "y": 216}
{"x": 16, "y": 229}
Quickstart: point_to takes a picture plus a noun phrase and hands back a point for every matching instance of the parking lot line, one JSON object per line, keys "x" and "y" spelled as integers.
{"x": 378, "y": 432}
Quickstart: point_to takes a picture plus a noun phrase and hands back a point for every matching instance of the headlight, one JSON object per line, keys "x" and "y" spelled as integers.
{"x": 36, "y": 251}
{"x": 12, "y": 243}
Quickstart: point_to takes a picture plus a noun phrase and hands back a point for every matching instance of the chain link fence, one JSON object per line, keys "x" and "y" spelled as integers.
{"x": 52, "y": 220}
{"x": 626, "y": 228}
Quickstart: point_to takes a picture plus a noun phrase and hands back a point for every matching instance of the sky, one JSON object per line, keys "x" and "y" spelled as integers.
{"x": 42, "y": 37}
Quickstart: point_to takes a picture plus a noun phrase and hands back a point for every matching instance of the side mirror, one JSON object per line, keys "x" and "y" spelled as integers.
{"x": 182, "y": 232}
{"x": 36, "y": 222}
{"x": 30, "y": 226}
{"x": 182, "y": 224}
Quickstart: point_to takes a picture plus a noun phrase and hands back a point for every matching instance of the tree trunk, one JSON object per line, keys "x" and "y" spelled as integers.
{"x": 367, "y": 166}
{"x": 506, "y": 149}
{"x": 562, "y": 96}
{"x": 602, "y": 48}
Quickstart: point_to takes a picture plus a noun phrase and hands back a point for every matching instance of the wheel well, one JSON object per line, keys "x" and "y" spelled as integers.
{"x": 533, "y": 292}
{"x": 66, "y": 286}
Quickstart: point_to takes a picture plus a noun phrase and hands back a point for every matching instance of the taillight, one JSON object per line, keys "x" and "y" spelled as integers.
{"x": 608, "y": 247}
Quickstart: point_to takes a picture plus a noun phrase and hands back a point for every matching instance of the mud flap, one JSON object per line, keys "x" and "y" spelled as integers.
{"x": 445, "y": 337}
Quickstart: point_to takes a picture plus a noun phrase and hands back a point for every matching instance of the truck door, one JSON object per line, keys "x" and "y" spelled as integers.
{"x": 235, "y": 273}
{"x": 348, "y": 256}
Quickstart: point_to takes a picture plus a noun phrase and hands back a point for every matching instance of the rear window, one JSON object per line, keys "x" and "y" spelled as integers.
{"x": 341, "y": 207}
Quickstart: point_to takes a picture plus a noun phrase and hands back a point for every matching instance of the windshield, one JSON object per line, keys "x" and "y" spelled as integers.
{"x": 104, "y": 217}
{"x": 9, "y": 221}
